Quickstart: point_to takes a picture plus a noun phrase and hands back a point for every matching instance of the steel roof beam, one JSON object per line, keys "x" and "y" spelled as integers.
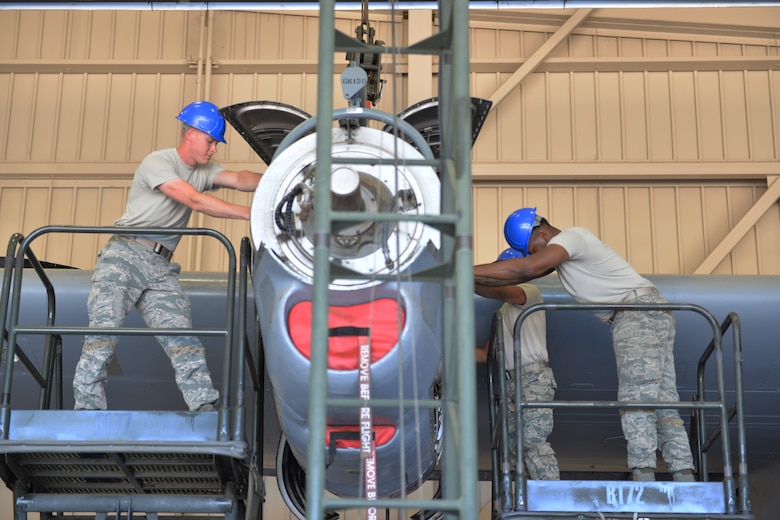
{"x": 401, "y": 5}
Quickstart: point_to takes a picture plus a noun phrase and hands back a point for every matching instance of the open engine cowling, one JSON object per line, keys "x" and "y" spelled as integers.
{"x": 402, "y": 318}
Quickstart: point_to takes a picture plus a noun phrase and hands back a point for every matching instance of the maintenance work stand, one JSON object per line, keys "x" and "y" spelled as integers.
{"x": 143, "y": 463}
{"x": 517, "y": 497}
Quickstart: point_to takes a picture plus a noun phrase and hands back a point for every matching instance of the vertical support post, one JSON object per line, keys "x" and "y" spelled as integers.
{"x": 460, "y": 381}
{"x": 315, "y": 476}
{"x": 240, "y": 341}
{"x": 450, "y": 480}
{"x": 464, "y": 260}
{"x": 224, "y": 416}
{"x": 19, "y": 512}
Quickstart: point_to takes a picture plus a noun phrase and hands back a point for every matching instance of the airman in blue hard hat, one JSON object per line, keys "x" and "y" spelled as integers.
{"x": 643, "y": 340}
{"x": 531, "y": 369}
{"x": 135, "y": 269}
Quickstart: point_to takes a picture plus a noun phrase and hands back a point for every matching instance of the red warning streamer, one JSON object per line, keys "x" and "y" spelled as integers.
{"x": 367, "y": 444}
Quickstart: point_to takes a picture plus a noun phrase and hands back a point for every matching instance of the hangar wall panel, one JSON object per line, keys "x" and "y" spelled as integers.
{"x": 664, "y": 103}
{"x": 658, "y": 134}
{"x": 658, "y": 227}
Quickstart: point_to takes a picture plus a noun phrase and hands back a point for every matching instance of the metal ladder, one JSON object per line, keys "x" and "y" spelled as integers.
{"x": 134, "y": 462}
{"x": 515, "y": 496}
{"x": 459, "y": 489}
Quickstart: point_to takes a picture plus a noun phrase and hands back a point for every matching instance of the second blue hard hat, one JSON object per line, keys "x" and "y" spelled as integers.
{"x": 509, "y": 253}
{"x": 205, "y": 117}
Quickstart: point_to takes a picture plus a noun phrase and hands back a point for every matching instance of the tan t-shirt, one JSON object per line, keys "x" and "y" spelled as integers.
{"x": 149, "y": 207}
{"x": 594, "y": 272}
{"x": 533, "y": 333}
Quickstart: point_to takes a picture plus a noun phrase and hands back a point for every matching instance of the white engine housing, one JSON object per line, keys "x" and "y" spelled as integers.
{"x": 369, "y": 248}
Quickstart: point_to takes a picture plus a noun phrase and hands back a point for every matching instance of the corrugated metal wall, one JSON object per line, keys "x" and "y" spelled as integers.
{"x": 658, "y": 134}
{"x": 624, "y": 98}
{"x": 658, "y": 227}
{"x": 659, "y": 137}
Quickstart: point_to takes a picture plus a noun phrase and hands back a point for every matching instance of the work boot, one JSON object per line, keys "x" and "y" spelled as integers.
{"x": 684, "y": 475}
{"x": 643, "y": 474}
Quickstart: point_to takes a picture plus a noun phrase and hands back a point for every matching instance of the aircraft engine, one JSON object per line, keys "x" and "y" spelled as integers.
{"x": 283, "y": 207}
{"x": 382, "y": 323}
{"x": 399, "y": 319}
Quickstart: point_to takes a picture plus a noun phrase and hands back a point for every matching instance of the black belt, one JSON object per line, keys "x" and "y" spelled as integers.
{"x": 156, "y": 247}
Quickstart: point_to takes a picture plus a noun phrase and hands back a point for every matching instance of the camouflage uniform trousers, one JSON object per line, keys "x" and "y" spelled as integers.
{"x": 129, "y": 275}
{"x": 539, "y": 457}
{"x": 644, "y": 351}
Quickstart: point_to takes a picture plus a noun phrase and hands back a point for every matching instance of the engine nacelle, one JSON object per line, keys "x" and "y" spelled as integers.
{"x": 400, "y": 320}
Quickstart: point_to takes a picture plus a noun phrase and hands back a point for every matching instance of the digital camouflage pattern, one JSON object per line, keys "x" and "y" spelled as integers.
{"x": 129, "y": 275}
{"x": 539, "y": 457}
{"x": 644, "y": 351}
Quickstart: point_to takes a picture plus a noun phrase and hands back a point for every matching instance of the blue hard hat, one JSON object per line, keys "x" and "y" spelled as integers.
{"x": 509, "y": 253}
{"x": 205, "y": 117}
{"x": 518, "y": 227}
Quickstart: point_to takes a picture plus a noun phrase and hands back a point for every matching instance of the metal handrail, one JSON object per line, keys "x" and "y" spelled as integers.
{"x": 49, "y": 358}
{"x": 12, "y": 314}
{"x": 734, "y": 411}
{"x": 495, "y": 364}
{"x": 239, "y": 408}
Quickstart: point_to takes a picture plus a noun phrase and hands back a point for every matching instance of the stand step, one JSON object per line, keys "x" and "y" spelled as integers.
{"x": 598, "y": 496}
{"x": 60, "y": 452}
{"x": 63, "y": 426}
